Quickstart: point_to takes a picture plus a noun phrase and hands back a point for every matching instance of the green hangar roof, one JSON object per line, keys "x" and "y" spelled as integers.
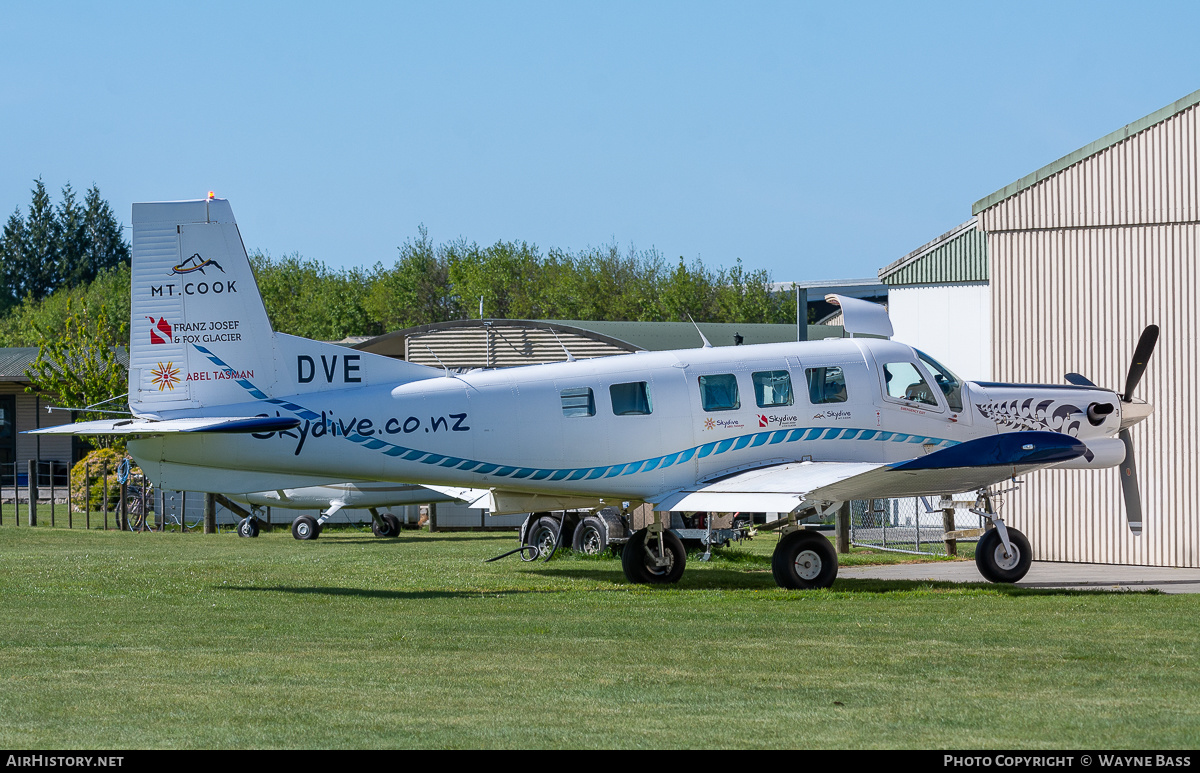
{"x": 959, "y": 255}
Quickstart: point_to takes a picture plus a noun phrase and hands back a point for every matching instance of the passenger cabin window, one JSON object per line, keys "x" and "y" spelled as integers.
{"x": 905, "y": 382}
{"x": 772, "y": 388}
{"x": 719, "y": 393}
{"x": 578, "y": 401}
{"x": 826, "y": 385}
{"x": 631, "y": 399}
{"x": 950, "y": 384}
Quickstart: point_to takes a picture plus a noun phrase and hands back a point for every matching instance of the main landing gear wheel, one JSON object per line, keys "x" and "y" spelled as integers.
{"x": 248, "y": 527}
{"x": 994, "y": 564}
{"x": 305, "y": 527}
{"x": 804, "y": 559}
{"x": 638, "y": 559}
{"x": 543, "y": 535}
{"x": 590, "y": 537}
{"x": 390, "y": 528}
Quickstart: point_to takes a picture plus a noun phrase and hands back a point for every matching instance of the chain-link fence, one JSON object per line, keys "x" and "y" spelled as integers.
{"x": 910, "y": 525}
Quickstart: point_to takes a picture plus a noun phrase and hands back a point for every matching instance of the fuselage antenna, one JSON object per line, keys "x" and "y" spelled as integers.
{"x": 707, "y": 345}
{"x": 439, "y": 359}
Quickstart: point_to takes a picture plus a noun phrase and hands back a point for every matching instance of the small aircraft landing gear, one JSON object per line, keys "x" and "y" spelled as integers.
{"x": 998, "y": 564}
{"x": 1002, "y": 554}
{"x": 386, "y": 525}
{"x": 248, "y": 527}
{"x": 803, "y": 560}
{"x": 305, "y": 527}
{"x": 653, "y": 556}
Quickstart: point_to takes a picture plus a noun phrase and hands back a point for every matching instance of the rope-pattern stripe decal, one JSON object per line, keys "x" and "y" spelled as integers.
{"x": 715, "y": 448}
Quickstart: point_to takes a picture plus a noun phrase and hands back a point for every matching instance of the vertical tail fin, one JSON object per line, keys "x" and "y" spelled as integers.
{"x": 199, "y": 333}
{"x": 192, "y": 285}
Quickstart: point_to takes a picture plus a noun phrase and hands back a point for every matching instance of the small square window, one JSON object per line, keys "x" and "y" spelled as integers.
{"x": 826, "y": 385}
{"x": 630, "y": 399}
{"x": 719, "y": 393}
{"x": 772, "y": 388}
{"x": 578, "y": 401}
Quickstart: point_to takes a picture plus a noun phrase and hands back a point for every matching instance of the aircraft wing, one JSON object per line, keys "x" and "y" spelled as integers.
{"x": 782, "y": 488}
{"x": 171, "y": 426}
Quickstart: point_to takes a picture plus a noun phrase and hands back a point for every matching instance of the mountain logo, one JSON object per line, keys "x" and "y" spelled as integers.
{"x": 196, "y": 263}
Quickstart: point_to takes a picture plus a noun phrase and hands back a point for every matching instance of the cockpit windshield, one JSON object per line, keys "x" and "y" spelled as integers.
{"x": 950, "y": 384}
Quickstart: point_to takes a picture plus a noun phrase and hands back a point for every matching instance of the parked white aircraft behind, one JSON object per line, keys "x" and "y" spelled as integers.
{"x": 332, "y": 499}
{"x": 224, "y": 404}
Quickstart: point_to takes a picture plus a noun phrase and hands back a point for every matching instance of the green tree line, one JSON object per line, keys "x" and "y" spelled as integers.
{"x": 86, "y": 277}
{"x": 514, "y": 280}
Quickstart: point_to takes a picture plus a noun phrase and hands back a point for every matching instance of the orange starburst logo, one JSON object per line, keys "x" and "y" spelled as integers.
{"x": 709, "y": 423}
{"x": 165, "y": 376}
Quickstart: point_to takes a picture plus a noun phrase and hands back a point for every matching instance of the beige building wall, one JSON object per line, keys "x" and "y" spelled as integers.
{"x": 1080, "y": 262}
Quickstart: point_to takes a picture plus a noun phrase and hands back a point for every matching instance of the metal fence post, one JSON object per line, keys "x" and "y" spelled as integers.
{"x": 104, "y": 492}
{"x": 52, "y": 495}
{"x": 32, "y": 491}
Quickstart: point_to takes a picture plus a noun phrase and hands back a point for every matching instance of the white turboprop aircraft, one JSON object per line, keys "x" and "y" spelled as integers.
{"x": 222, "y": 403}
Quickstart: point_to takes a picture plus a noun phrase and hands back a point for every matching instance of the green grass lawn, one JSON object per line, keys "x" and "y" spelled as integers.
{"x": 119, "y": 640}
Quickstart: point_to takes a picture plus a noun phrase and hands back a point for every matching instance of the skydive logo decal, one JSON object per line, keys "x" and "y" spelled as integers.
{"x": 327, "y": 425}
{"x": 165, "y": 376}
{"x": 196, "y": 263}
{"x": 778, "y": 420}
{"x": 164, "y": 327}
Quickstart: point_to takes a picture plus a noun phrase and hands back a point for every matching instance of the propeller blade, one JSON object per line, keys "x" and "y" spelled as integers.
{"x": 1141, "y": 356}
{"x": 1129, "y": 487}
{"x": 1079, "y": 380}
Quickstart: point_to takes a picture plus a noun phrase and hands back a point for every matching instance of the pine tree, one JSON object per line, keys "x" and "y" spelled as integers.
{"x": 103, "y": 243}
{"x": 55, "y": 247}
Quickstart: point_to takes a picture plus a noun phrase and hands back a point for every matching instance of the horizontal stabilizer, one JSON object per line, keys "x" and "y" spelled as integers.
{"x": 236, "y": 424}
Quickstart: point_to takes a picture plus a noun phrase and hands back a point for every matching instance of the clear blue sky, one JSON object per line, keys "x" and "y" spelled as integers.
{"x": 815, "y": 140}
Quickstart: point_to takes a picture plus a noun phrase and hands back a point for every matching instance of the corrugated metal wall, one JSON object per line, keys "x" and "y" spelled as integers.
{"x": 500, "y": 346}
{"x": 1080, "y": 263}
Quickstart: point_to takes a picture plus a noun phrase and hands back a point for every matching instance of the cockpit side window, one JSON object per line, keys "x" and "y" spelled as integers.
{"x": 905, "y": 382}
{"x": 950, "y": 384}
{"x": 826, "y": 385}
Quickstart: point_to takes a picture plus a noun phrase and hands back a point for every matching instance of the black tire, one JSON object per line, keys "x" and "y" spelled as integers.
{"x": 389, "y": 528}
{"x": 248, "y": 527}
{"x": 804, "y": 560}
{"x": 992, "y": 562}
{"x": 638, "y": 567}
{"x": 543, "y": 535}
{"x": 305, "y": 528}
{"x": 591, "y": 537}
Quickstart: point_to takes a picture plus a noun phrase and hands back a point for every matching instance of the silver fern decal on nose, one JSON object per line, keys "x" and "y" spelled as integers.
{"x": 1034, "y": 414}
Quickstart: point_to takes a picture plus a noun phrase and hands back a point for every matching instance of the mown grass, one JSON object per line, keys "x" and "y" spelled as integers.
{"x": 118, "y": 640}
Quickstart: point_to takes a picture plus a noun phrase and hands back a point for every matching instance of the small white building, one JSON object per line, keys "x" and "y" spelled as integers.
{"x": 940, "y": 302}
